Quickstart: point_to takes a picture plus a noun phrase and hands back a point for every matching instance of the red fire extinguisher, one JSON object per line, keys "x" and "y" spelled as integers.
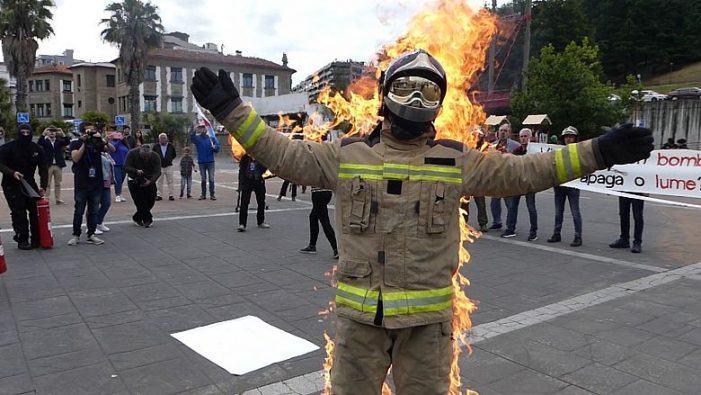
{"x": 46, "y": 237}
{"x": 3, "y": 265}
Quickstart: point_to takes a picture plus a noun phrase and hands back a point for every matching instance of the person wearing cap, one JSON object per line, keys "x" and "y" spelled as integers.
{"x": 143, "y": 167}
{"x": 206, "y": 148}
{"x": 54, "y": 143}
{"x": 19, "y": 161}
{"x": 569, "y": 135}
{"x": 398, "y": 191}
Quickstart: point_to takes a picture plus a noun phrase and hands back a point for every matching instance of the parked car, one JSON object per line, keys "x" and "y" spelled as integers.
{"x": 648, "y": 95}
{"x": 686, "y": 93}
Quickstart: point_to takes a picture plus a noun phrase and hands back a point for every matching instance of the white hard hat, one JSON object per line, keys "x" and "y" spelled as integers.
{"x": 570, "y": 130}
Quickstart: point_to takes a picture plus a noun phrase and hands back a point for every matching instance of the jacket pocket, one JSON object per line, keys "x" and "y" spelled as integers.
{"x": 436, "y": 221}
{"x": 354, "y": 268}
{"x": 359, "y": 214}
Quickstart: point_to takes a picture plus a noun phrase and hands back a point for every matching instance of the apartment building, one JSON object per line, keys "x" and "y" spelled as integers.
{"x": 337, "y": 74}
{"x": 50, "y": 93}
{"x": 95, "y": 88}
{"x": 66, "y": 59}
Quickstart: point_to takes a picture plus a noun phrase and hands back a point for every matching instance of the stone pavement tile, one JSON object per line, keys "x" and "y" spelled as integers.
{"x": 95, "y": 280}
{"x": 159, "y": 304}
{"x": 206, "y": 390}
{"x": 667, "y": 326}
{"x": 179, "y": 275}
{"x": 284, "y": 277}
{"x": 68, "y": 361}
{"x": 202, "y": 290}
{"x": 646, "y": 306}
{"x": 617, "y": 315}
{"x": 8, "y": 333}
{"x": 50, "y": 322}
{"x": 482, "y": 367}
{"x": 123, "y": 274}
{"x": 212, "y": 265}
{"x": 55, "y": 341}
{"x": 95, "y": 379}
{"x": 314, "y": 328}
{"x": 145, "y": 356}
{"x": 605, "y": 352}
{"x": 573, "y": 390}
{"x": 625, "y": 336}
{"x": 101, "y": 302}
{"x": 232, "y": 384}
{"x": 254, "y": 289}
{"x": 179, "y": 318}
{"x": 560, "y": 338}
{"x": 280, "y": 300}
{"x": 693, "y": 336}
{"x": 666, "y": 348}
{"x": 301, "y": 312}
{"x": 535, "y": 355}
{"x": 114, "y": 319}
{"x": 221, "y": 300}
{"x": 661, "y": 372}
{"x": 583, "y": 323}
{"x": 164, "y": 377}
{"x": 11, "y": 360}
{"x": 642, "y": 387}
{"x": 42, "y": 308}
{"x": 129, "y": 337}
{"x": 528, "y": 382}
{"x": 598, "y": 378}
{"x": 303, "y": 364}
{"x": 19, "y": 384}
{"x": 150, "y": 292}
{"x": 33, "y": 288}
{"x": 692, "y": 360}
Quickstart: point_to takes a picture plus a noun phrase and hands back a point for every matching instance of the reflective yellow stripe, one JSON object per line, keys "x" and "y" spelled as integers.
{"x": 359, "y": 166}
{"x": 256, "y": 134}
{"x": 246, "y": 124}
{"x": 250, "y": 130}
{"x": 573, "y": 150}
{"x": 417, "y": 294}
{"x": 560, "y": 171}
{"x": 358, "y": 291}
{"x": 355, "y": 305}
{"x": 397, "y": 171}
{"x": 419, "y": 309}
{"x": 396, "y": 302}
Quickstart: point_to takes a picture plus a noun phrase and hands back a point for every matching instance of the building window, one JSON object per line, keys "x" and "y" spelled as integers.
{"x": 46, "y": 85}
{"x": 39, "y": 85}
{"x": 32, "y": 110}
{"x": 176, "y": 74}
{"x": 67, "y": 86}
{"x": 150, "y": 74}
{"x": 150, "y": 103}
{"x": 109, "y": 80}
{"x": 269, "y": 82}
{"x": 79, "y": 82}
{"x": 123, "y": 104}
{"x": 80, "y": 103}
{"x": 248, "y": 80}
{"x": 48, "y": 109}
{"x": 31, "y": 86}
{"x": 68, "y": 110}
{"x": 39, "y": 110}
{"x": 176, "y": 105}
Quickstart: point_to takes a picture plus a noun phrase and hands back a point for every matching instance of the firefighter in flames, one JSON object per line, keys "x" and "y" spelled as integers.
{"x": 398, "y": 192}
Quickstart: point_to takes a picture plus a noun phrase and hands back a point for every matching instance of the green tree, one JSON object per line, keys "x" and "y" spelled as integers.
{"x": 95, "y": 117}
{"x": 162, "y": 122}
{"x": 559, "y": 22}
{"x": 7, "y": 119}
{"x": 567, "y": 86}
{"x": 22, "y": 23}
{"x": 135, "y": 27}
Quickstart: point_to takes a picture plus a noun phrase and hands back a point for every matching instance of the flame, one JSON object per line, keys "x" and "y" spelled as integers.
{"x": 236, "y": 149}
{"x": 458, "y": 37}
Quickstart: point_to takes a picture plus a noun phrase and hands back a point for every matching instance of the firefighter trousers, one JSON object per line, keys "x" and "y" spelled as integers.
{"x": 420, "y": 357}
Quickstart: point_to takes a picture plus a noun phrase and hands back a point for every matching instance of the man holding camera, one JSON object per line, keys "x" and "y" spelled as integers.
{"x": 87, "y": 171}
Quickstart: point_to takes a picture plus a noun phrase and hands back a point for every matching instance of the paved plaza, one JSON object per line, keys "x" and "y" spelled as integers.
{"x": 552, "y": 319}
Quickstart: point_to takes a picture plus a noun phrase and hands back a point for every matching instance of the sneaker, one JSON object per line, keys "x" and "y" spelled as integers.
{"x": 213, "y": 198}
{"x": 576, "y": 242}
{"x": 138, "y": 223}
{"x": 24, "y": 246}
{"x": 158, "y": 198}
{"x": 533, "y": 236}
{"x": 98, "y": 231}
{"x": 202, "y": 198}
{"x": 171, "y": 198}
{"x": 508, "y": 234}
{"x": 120, "y": 199}
{"x": 620, "y": 243}
{"x": 495, "y": 226}
{"x": 102, "y": 228}
{"x": 335, "y": 252}
{"x": 264, "y": 225}
{"x": 241, "y": 228}
{"x": 294, "y": 199}
{"x": 59, "y": 201}
{"x": 308, "y": 250}
{"x": 73, "y": 240}
{"x": 189, "y": 196}
{"x": 148, "y": 224}
{"x": 279, "y": 198}
{"x": 637, "y": 248}
{"x": 95, "y": 240}
{"x": 484, "y": 229}
{"x": 555, "y": 238}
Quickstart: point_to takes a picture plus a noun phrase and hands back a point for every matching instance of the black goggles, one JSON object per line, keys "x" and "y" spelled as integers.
{"x": 415, "y": 91}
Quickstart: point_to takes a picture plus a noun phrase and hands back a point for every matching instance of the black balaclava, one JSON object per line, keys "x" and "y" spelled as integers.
{"x": 22, "y": 140}
{"x": 406, "y": 130}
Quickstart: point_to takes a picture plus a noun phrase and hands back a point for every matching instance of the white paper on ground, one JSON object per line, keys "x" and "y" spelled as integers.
{"x": 244, "y": 344}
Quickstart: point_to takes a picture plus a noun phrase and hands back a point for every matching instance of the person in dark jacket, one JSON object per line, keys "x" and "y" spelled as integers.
{"x": 143, "y": 167}
{"x": 251, "y": 180}
{"x": 187, "y": 166}
{"x": 54, "y": 143}
{"x": 19, "y": 160}
{"x": 166, "y": 152}
{"x": 121, "y": 148}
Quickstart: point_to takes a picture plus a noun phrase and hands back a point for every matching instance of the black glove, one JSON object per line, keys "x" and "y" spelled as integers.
{"x": 624, "y": 144}
{"x": 216, "y": 94}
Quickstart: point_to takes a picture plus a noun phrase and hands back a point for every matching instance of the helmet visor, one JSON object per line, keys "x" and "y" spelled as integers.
{"x": 415, "y": 91}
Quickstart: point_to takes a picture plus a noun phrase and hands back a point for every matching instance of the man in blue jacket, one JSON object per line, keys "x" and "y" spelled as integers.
{"x": 206, "y": 148}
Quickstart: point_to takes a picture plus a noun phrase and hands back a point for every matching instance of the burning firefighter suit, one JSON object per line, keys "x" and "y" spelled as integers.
{"x": 398, "y": 192}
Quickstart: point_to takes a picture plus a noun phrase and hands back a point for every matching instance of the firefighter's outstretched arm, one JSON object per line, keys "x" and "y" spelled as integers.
{"x": 493, "y": 174}
{"x": 302, "y": 162}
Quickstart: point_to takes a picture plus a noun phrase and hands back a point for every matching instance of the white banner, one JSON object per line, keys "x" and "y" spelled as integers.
{"x": 665, "y": 172}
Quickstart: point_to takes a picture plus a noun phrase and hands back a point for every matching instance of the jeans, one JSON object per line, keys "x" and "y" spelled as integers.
{"x": 571, "y": 194}
{"x": 105, "y": 203}
{"x": 91, "y": 199}
{"x": 186, "y": 181}
{"x": 119, "y": 175}
{"x": 624, "y": 205}
{"x": 320, "y": 213}
{"x": 144, "y": 200}
{"x": 207, "y": 172}
{"x": 511, "y": 217}
{"x": 248, "y": 187}
{"x": 495, "y": 205}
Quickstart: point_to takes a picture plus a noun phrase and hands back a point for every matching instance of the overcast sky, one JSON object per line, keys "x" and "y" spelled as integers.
{"x": 311, "y": 32}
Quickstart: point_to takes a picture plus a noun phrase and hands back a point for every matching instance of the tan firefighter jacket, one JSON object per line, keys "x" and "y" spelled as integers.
{"x": 397, "y": 208}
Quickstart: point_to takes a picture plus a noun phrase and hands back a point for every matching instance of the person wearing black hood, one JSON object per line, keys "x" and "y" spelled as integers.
{"x": 398, "y": 190}
{"x": 19, "y": 160}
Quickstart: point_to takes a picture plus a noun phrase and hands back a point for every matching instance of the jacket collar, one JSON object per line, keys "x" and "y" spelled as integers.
{"x": 402, "y": 145}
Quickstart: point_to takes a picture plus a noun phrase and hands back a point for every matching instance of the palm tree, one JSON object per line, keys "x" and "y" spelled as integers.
{"x": 135, "y": 27}
{"x": 22, "y": 23}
